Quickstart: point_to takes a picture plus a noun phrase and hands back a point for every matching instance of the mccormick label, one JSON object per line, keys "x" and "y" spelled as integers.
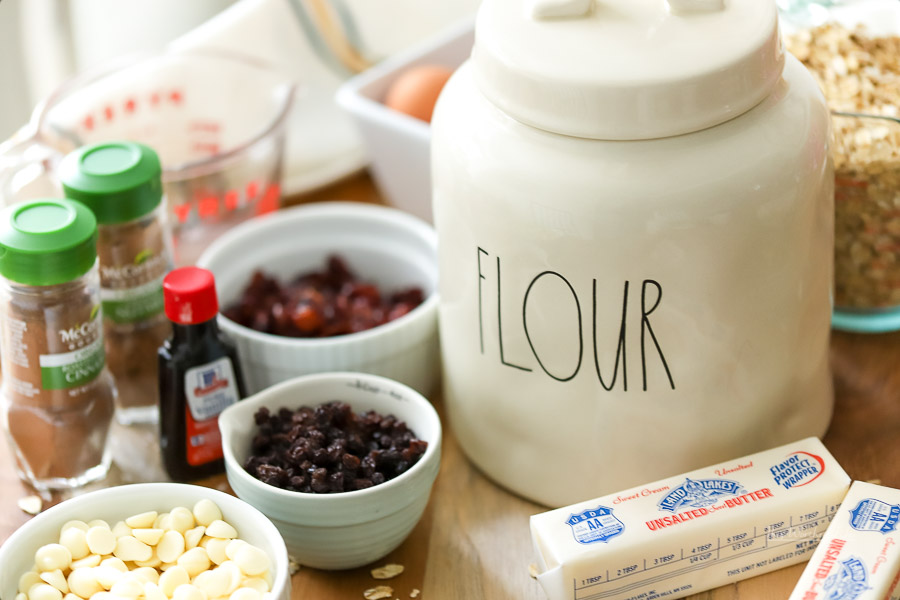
{"x": 731, "y": 521}
{"x": 859, "y": 557}
{"x": 84, "y": 360}
{"x": 209, "y": 389}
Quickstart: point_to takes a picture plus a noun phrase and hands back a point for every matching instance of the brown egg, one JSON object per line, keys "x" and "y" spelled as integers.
{"x": 416, "y": 90}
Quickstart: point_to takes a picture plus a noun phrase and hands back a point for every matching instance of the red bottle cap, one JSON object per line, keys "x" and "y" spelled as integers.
{"x": 190, "y": 296}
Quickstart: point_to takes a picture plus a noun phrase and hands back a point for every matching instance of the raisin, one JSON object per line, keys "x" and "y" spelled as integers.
{"x": 330, "y": 449}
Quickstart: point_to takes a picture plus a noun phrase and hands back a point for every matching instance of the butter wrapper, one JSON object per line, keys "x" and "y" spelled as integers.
{"x": 693, "y": 532}
{"x": 859, "y": 557}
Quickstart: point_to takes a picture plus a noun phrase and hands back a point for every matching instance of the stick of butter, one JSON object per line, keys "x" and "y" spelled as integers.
{"x": 859, "y": 557}
{"x": 693, "y": 532}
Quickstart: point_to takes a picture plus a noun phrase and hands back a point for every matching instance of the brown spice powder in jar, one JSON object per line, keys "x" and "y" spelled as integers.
{"x": 121, "y": 183}
{"x": 57, "y": 396}
{"x": 59, "y": 433}
{"x": 134, "y": 258}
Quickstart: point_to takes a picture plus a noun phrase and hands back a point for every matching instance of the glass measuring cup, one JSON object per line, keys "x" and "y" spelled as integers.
{"x": 217, "y": 121}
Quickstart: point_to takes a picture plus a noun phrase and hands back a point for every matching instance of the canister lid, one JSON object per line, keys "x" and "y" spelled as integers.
{"x": 119, "y": 181}
{"x": 626, "y": 69}
{"x": 47, "y": 242}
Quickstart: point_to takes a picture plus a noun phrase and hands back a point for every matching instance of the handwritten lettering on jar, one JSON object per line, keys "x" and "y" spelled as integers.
{"x": 651, "y": 295}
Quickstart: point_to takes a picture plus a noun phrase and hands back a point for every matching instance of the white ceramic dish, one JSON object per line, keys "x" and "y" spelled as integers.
{"x": 382, "y": 245}
{"x": 349, "y": 529}
{"x": 399, "y": 145}
{"x": 117, "y": 503}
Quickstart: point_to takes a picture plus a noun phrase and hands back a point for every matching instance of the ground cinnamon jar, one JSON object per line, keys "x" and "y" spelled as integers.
{"x": 57, "y": 397}
{"x": 120, "y": 182}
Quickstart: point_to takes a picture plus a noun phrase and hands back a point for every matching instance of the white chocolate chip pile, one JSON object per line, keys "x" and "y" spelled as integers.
{"x": 183, "y": 554}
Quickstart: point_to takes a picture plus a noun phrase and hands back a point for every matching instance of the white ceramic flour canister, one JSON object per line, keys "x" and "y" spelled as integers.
{"x": 633, "y": 200}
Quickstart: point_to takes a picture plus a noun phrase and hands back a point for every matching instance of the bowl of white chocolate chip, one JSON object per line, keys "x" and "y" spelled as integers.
{"x": 151, "y": 541}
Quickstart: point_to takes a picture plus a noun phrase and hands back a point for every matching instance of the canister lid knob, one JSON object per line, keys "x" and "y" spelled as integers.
{"x": 555, "y": 9}
{"x": 694, "y": 6}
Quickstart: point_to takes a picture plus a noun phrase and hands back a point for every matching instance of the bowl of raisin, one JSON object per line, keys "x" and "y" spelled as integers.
{"x": 342, "y": 463}
{"x": 337, "y": 286}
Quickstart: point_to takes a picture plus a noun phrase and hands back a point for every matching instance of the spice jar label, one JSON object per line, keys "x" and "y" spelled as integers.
{"x": 130, "y": 305}
{"x": 209, "y": 389}
{"x": 71, "y": 369}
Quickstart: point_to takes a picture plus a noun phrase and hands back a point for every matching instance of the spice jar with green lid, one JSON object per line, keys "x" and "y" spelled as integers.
{"x": 121, "y": 183}
{"x": 58, "y": 398}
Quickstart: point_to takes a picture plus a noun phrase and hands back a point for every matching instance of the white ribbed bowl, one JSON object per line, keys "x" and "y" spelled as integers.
{"x": 120, "y": 502}
{"x": 383, "y": 245}
{"x": 349, "y": 529}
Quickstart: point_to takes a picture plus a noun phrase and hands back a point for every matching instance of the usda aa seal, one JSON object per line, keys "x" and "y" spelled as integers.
{"x": 595, "y": 525}
{"x": 874, "y": 515}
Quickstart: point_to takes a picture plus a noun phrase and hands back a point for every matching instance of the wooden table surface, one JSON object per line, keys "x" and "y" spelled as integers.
{"x": 473, "y": 542}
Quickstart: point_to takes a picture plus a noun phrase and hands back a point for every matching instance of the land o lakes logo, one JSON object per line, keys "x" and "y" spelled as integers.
{"x": 849, "y": 582}
{"x": 699, "y": 493}
{"x": 595, "y": 525}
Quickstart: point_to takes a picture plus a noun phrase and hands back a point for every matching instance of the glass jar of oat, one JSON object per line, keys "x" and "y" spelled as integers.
{"x": 858, "y": 66}
{"x": 57, "y": 397}
{"x": 120, "y": 182}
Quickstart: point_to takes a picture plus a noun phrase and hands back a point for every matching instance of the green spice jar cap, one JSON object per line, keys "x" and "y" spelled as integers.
{"x": 47, "y": 242}
{"x": 119, "y": 181}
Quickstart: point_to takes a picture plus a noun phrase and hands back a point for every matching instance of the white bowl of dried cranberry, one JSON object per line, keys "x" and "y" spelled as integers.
{"x": 387, "y": 248}
{"x": 335, "y": 529}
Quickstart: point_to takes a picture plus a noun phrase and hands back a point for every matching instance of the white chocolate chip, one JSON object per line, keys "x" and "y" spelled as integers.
{"x": 251, "y": 560}
{"x": 232, "y": 548}
{"x": 152, "y": 592}
{"x": 233, "y": 576}
{"x": 194, "y": 561}
{"x": 188, "y": 592}
{"x": 70, "y": 596}
{"x": 142, "y": 521}
{"x": 56, "y": 579}
{"x": 75, "y": 539}
{"x": 150, "y": 537}
{"x": 128, "y": 587}
{"x": 98, "y": 523}
{"x": 44, "y": 591}
{"x": 31, "y": 504}
{"x": 206, "y": 511}
{"x": 116, "y": 563}
{"x": 193, "y": 536}
{"x": 182, "y": 519}
{"x": 52, "y": 556}
{"x": 245, "y": 593}
{"x": 170, "y": 547}
{"x": 22, "y": 596}
{"x": 146, "y": 574}
{"x": 75, "y": 523}
{"x": 107, "y": 576}
{"x": 214, "y": 583}
{"x": 153, "y": 562}
{"x": 100, "y": 540}
{"x": 83, "y": 582}
{"x": 172, "y": 578}
{"x": 130, "y": 548}
{"x": 222, "y": 530}
{"x": 157, "y": 523}
{"x": 91, "y": 560}
{"x": 120, "y": 529}
{"x": 215, "y": 548}
{"x": 27, "y": 580}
